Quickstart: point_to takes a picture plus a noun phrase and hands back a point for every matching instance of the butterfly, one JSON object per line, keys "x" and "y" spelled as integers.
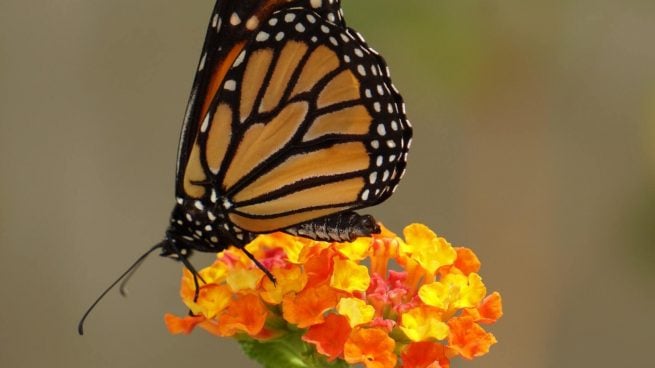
{"x": 292, "y": 124}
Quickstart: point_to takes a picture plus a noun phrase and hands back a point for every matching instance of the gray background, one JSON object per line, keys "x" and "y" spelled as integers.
{"x": 534, "y": 130}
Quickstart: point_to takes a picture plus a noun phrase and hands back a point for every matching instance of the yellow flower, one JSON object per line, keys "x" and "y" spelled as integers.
{"x": 356, "y": 310}
{"x": 423, "y": 323}
{"x": 349, "y": 276}
{"x": 454, "y": 291}
{"x": 419, "y": 299}
{"x": 429, "y": 251}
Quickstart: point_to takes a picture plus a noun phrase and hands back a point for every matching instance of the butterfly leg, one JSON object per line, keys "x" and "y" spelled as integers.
{"x": 343, "y": 226}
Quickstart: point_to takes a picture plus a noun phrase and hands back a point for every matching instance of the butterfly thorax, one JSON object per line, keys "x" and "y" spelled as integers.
{"x": 196, "y": 226}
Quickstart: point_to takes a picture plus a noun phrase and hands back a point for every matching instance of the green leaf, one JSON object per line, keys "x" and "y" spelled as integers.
{"x": 288, "y": 351}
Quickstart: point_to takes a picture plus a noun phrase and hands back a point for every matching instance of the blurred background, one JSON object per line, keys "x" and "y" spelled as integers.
{"x": 534, "y": 145}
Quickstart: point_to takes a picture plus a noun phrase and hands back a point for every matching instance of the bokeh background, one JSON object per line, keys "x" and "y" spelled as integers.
{"x": 534, "y": 145}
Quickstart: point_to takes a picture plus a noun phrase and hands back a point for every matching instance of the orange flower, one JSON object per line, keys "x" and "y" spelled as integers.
{"x": 489, "y": 311}
{"x": 425, "y": 355}
{"x": 420, "y": 298}
{"x": 371, "y": 346}
{"x": 307, "y": 307}
{"x": 246, "y": 313}
{"x": 466, "y": 261}
{"x": 468, "y": 339}
{"x": 184, "y": 325}
{"x": 330, "y": 336}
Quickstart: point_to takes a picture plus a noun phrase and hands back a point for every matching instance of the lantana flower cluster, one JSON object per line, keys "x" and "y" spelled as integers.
{"x": 381, "y": 301}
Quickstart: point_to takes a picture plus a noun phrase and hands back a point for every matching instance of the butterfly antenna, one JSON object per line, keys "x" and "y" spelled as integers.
{"x": 135, "y": 265}
{"x": 123, "y": 287}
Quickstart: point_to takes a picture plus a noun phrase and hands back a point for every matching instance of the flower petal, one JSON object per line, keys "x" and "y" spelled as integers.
{"x": 356, "y": 250}
{"x": 469, "y": 339}
{"x": 454, "y": 291}
{"x": 349, "y": 276}
{"x": 423, "y": 323}
{"x": 372, "y": 347}
{"x": 489, "y": 311}
{"x": 241, "y": 279}
{"x": 430, "y": 251}
{"x": 289, "y": 280}
{"x": 307, "y": 307}
{"x": 246, "y": 314}
{"x": 356, "y": 310}
{"x": 466, "y": 261}
{"x": 425, "y": 354}
{"x": 330, "y": 336}
{"x": 181, "y": 325}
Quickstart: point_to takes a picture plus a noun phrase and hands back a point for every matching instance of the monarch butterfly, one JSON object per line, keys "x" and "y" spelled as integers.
{"x": 292, "y": 124}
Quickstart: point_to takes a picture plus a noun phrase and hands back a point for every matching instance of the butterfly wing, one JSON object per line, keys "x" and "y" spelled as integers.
{"x": 231, "y": 25}
{"x": 304, "y": 123}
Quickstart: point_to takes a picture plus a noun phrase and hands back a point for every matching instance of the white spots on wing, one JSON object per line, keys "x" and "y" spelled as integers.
{"x": 379, "y": 161}
{"x": 203, "y": 59}
{"x": 214, "y": 196}
{"x": 374, "y": 70}
{"x": 345, "y": 38}
{"x": 279, "y": 36}
{"x": 377, "y": 107}
{"x": 368, "y": 93}
{"x": 234, "y": 19}
{"x": 205, "y": 124}
{"x": 365, "y": 194}
{"x": 213, "y": 239}
{"x": 215, "y": 20}
{"x": 325, "y": 29}
{"x": 373, "y": 177}
{"x": 300, "y": 27}
{"x": 361, "y": 70}
{"x": 179, "y": 200}
{"x": 289, "y": 17}
{"x": 262, "y": 36}
{"x": 382, "y": 130}
{"x": 227, "y": 204}
{"x": 316, "y": 3}
{"x": 391, "y": 144}
{"x": 211, "y": 216}
{"x": 252, "y": 23}
{"x": 375, "y": 144}
{"x": 240, "y": 58}
{"x": 359, "y": 52}
{"x": 188, "y": 217}
{"x": 346, "y": 58}
{"x": 198, "y": 205}
{"x": 311, "y": 19}
{"x": 334, "y": 41}
{"x": 385, "y": 175}
{"x": 331, "y": 17}
{"x": 230, "y": 85}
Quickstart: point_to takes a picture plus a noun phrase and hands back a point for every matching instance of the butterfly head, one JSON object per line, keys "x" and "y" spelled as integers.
{"x": 193, "y": 226}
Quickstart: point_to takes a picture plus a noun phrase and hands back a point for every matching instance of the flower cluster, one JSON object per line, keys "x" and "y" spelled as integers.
{"x": 380, "y": 301}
